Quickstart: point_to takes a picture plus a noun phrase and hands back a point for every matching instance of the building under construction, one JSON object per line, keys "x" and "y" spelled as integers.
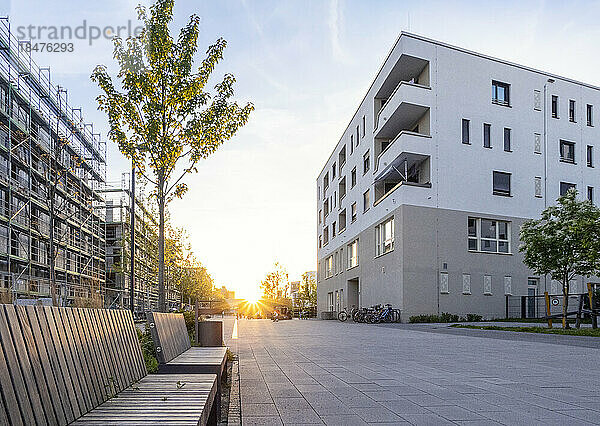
{"x": 52, "y": 166}
{"x": 118, "y": 250}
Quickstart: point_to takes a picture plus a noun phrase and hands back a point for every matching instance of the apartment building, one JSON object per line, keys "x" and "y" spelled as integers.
{"x": 450, "y": 151}
{"x": 51, "y": 167}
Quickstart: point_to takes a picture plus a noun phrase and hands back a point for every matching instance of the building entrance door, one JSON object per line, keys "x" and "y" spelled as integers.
{"x": 353, "y": 294}
{"x": 531, "y": 299}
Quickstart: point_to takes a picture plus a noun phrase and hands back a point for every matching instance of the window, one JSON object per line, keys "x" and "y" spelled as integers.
{"x": 329, "y": 267}
{"x": 384, "y": 237}
{"x": 465, "y": 131}
{"x": 342, "y": 220}
{"x": 554, "y": 106}
{"x": 320, "y": 216}
{"x": 351, "y": 144}
{"x": 565, "y": 187}
{"x": 567, "y": 151}
{"x": 487, "y": 129}
{"x": 333, "y": 230}
{"x": 325, "y": 235}
{"x": 325, "y": 182}
{"x": 366, "y": 202}
{"x": 571, "y": 110}
{"x": 590, "y": 156}
{"x": 364, "y": 124}
{"x": 352, "y": 254}
{"x": 590, "y": 114}
{"x": 537, "y": 100}
{"x": 342, "y": 189}
{"x": 357, "y": 136}
{"x": 330, "y": 301}
{"x": 501, "y": 183}
{"x": 333, "y": 171}
{"x": 500, "y": 93}
{"x": 353, "y": 178}
{"x": 353, "y": 209}
{"x": 538, "y": 186}
{"x": 336, "y": 268}
{"x": 366, "y": 163}
{"x": 507, "y": 147}
{"x": 590, "y": 194}
{"x": 326, "y": 207}
{"x": 488, "y": 235}
{"x": 342, "y": 158}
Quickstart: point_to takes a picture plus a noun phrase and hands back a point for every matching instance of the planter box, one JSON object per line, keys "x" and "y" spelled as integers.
{"x": 210, "y": 333}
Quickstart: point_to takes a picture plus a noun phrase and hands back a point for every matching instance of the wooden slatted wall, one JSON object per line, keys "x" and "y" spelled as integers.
{"x": 170, "y": 335}
{"x": 56, "y": 364}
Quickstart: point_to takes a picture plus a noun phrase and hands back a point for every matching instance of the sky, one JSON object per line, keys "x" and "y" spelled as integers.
{"x": 305, "y": 65}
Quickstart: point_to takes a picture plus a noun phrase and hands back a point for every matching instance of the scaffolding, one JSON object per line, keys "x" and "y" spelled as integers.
{"x": 52, "y": 167}
{"x": 118, "y": 248}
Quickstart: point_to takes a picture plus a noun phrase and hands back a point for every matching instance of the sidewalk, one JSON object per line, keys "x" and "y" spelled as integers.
{"x": 327, "y": 372}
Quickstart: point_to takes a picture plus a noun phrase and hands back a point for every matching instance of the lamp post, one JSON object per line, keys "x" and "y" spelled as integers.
{"x": 550, "y": 80}
{"x": 132, "y": 238}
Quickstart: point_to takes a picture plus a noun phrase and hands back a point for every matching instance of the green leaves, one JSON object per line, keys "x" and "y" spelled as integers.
{"x": 566, "y": 240}
{"x": 162, "y": 113}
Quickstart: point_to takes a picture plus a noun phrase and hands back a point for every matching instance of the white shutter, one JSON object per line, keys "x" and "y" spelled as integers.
{"x": 537, "y": 100}
{"x": 444, "y": 283}
{"x": 507, "y": 285}
{"x": 487, "y": 284}
{"x": 466, "y": 283}
{"x": 537, "y": 143}
{"x": 538, "y": 186}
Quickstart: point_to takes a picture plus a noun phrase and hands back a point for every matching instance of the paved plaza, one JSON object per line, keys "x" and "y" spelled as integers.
{"x": 327, "y": 372}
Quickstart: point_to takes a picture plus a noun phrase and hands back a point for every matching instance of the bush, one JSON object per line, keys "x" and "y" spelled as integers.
{"x": 474, "y": 318}
{"x": 148, "y": 350}
{"x": 189, "y": 323}
{"x": 445, "y": 317}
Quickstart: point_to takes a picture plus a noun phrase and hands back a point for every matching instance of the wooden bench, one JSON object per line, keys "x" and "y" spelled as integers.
{"x": 60, "y": 366}
{"x": 176, "y": 355}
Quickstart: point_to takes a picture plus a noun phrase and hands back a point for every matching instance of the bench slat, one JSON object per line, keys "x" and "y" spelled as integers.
{"x": 48, "y": 341}
{"x": 157, "y": 399}
{"x": 50, "y": 380}
{"x": 34, "y": 363}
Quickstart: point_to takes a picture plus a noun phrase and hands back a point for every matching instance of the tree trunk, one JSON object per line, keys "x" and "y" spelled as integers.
{"x": 161, "y": 249}
{"x": 565, "y": 286}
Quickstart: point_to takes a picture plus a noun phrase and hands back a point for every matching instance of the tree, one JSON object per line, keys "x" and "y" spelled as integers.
{"x": 163, "y": 113}
{"x": 564, "y": 243}
{"x": 308, "y": 292}
{"x": 275, "y": 284}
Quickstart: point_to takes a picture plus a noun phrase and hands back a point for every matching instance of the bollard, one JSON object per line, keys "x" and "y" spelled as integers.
{"x": 547, "y": 297}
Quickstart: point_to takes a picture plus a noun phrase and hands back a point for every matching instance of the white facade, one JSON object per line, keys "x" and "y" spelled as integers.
{"x": 416, "y": 105}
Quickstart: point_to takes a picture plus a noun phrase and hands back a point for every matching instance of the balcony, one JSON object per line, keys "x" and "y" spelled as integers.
{"x": 407, "y": 169}
{"x": 408, "y": 81}
{"x": 387, "y": 150}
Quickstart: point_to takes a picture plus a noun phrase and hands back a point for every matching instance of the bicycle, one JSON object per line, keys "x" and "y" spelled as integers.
{"x": 343, "y": 314}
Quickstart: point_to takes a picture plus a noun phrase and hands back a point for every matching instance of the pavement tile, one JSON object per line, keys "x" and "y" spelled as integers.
{"x": 253, "y": 409}
{"x": 262, "y": 421}
{"x": 426, "y": 420}
{"x": 303, "y": 416}
{"x": 453, "y": 412}
{"x": 377, "y": 415}
{"x": 343, "y": 420}
{"x": 291, "y": 403}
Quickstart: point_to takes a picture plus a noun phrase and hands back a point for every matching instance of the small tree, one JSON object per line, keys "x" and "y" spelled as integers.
{"x": 564, "y": 243}
{"x": 275, "y": 284}
{"x": 308, "y": 291}
{"x": 163, "y": 114}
